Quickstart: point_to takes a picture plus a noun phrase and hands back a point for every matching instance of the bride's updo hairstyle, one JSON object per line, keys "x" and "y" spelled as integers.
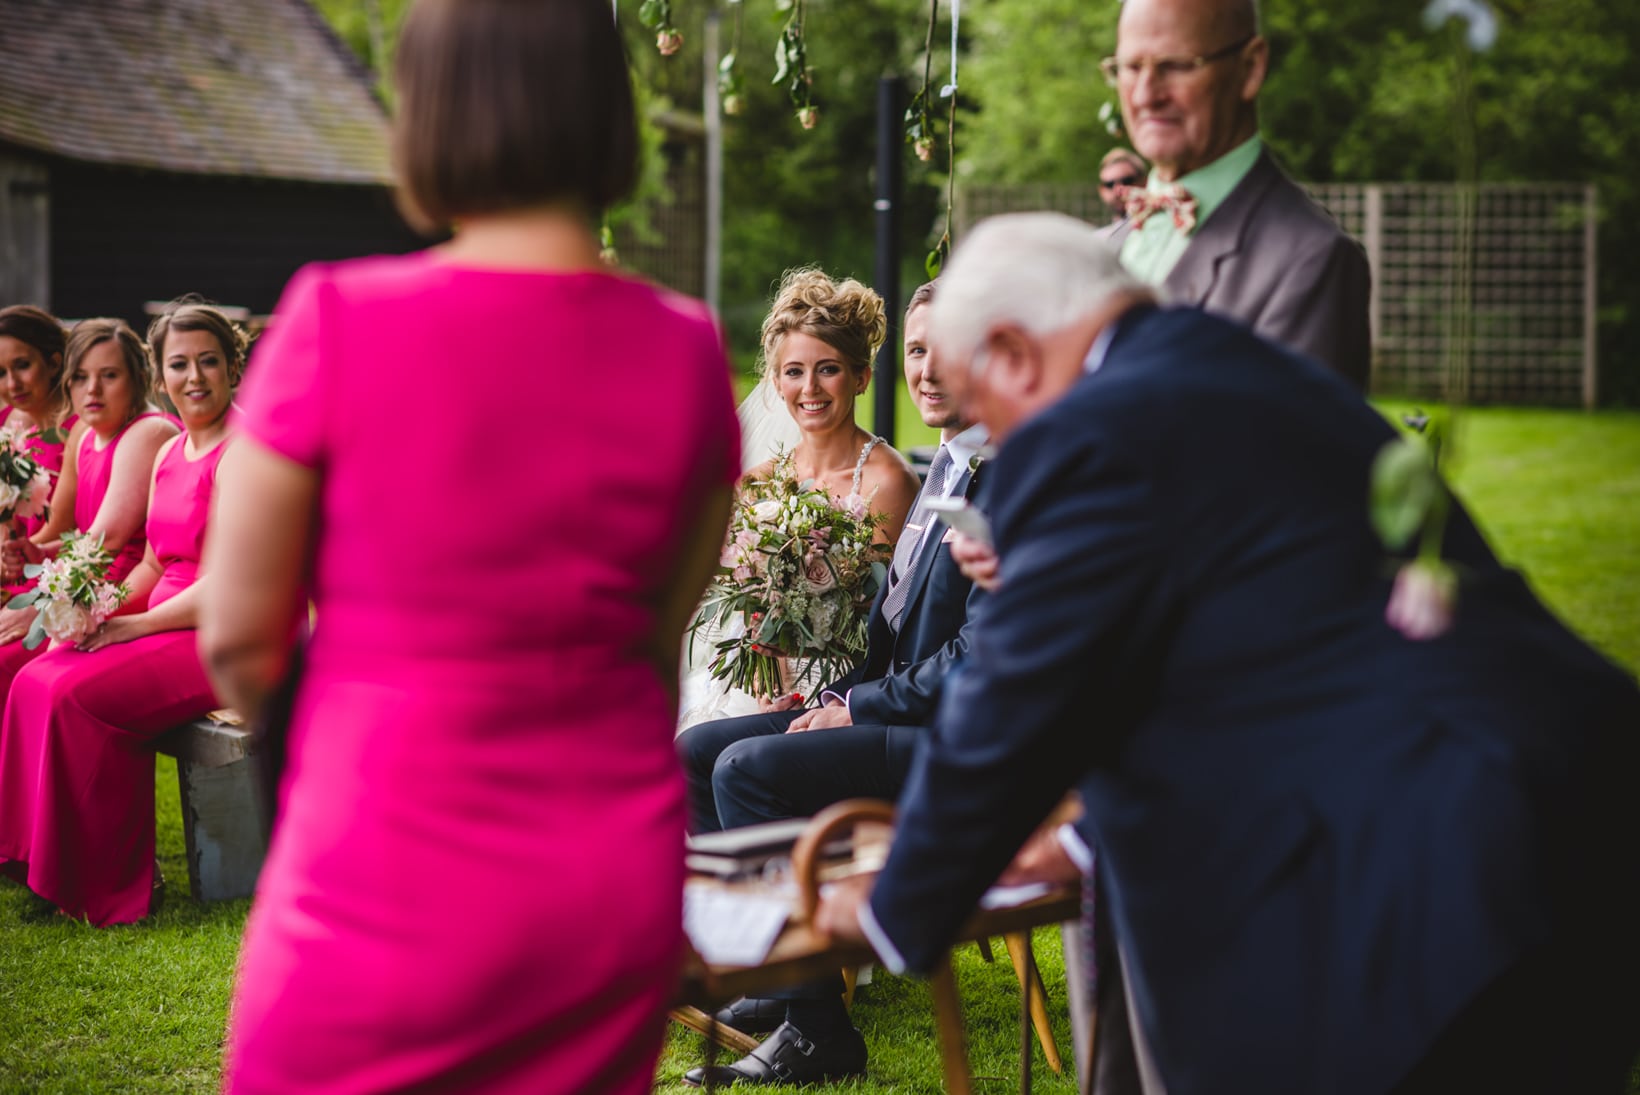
{"x": 845, "y": 315}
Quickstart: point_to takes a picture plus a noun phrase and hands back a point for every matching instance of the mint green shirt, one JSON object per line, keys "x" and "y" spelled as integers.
{"x": 1151, "y": 251}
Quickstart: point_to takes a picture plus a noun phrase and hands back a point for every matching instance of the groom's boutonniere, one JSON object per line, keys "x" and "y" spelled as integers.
{"x": 985, "y": 453}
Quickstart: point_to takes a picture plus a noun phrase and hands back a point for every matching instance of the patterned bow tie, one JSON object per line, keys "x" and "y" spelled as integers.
{"x": 1174, "y": 199}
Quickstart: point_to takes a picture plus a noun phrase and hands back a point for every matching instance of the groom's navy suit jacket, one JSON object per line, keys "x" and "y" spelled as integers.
{"x": 899, "y": 681}
{"x": 1320, "y": 840}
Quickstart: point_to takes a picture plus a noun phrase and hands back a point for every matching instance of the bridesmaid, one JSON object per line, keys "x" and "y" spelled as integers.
{"x": 76, "y": 765}
{"x": 105, "y": 474}
{"x": 31, "y": 375}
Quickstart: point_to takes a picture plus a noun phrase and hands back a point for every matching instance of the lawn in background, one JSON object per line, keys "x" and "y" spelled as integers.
{"x": 141, "y": 1009}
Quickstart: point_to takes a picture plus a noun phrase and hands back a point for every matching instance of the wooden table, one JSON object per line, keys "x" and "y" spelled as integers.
{"x": 802, "y": 954}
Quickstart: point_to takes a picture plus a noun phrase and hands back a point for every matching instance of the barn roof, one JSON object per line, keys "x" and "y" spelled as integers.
{"x": 254, "y": 88}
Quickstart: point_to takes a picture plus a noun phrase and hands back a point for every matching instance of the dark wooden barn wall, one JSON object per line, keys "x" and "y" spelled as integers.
{"x": 120, "y": 238}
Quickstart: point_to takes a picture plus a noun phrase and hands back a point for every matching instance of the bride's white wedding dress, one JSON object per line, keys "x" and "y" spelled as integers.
{"x": 765, "y": 429}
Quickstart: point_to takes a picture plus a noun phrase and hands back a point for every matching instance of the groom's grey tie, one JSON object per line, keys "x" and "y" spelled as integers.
{"x": 908, "y": 552}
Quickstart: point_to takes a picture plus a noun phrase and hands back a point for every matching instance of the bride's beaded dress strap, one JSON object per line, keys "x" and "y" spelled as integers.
{"x": 860, "y": 464}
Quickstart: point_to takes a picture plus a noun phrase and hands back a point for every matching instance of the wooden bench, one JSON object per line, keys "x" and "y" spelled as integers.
{"x": 223, "y": 816}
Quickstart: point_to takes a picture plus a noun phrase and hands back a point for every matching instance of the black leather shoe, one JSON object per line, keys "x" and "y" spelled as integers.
{"x": 786, "y": 1057}
{"x": 750, "y": 1015}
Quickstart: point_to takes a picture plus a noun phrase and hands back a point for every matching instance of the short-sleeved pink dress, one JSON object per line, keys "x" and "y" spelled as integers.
{"x": 76, "y": 754}
{"x": 475, "y": 879}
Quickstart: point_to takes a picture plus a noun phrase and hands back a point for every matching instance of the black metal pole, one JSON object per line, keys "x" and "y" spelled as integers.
{"x": 890, "y": 106}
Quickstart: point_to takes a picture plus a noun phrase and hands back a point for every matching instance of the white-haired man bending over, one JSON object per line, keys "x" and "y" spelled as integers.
{"x": 1337, "y": 859}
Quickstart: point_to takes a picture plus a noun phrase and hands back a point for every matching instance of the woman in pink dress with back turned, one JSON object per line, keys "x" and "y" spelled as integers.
{"x": 475, "y": 880}
{"x": 103, "y": 488}
{"x": 76, "y": 753}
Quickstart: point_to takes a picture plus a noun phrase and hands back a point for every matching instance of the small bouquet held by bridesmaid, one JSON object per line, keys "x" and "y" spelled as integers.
{"x": 71, "y": 593}
{"x": 799, "y": 574}
{"x": 25, "y": 484}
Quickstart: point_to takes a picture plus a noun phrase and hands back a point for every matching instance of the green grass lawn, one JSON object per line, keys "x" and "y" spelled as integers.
{"x": 141, "y": 1008}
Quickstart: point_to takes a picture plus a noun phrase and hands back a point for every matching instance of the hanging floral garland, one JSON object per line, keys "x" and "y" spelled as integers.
{"x": 923, "y": 140}
{"x": 792, "y": 72}
{"x": 791, "y": 63}
{"x": 731, "y": 88}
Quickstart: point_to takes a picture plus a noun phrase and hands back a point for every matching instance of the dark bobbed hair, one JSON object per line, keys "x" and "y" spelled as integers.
{"x": 194, "y": 313}
{"x": 89, "y": 333}
{"x": 39, "y": 330}
{"x": 506, "y": 104}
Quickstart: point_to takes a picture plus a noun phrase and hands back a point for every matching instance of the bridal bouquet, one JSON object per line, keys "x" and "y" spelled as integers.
{"x": 799, "y": 576}
{"x": 71, "y": 592}
{"x": 25, "y": 486}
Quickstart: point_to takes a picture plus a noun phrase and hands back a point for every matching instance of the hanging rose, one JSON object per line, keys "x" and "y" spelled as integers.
{"x": 730, "y": 86}
{"x": 809, "y": 116}
{"x": 657, "y": 16}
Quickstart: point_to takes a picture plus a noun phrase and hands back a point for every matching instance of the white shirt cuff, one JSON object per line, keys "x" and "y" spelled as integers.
{"x": 1075, "y": 847}
{"x": 841, "y": 698}
{"x": 887, "y": 953}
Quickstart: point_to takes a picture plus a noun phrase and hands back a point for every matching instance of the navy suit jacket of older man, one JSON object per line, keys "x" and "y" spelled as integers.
{"x": 1320, "y": 840}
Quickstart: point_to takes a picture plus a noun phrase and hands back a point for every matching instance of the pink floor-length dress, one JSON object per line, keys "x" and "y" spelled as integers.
{"x": 76, "y": 759}
{"x": 475, "y": 878}
{"x": 95, "y": 470}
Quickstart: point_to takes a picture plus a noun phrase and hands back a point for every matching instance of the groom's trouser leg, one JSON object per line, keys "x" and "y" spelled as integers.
{"x": 795, "y": 775}
{"x": 698, "y": 750}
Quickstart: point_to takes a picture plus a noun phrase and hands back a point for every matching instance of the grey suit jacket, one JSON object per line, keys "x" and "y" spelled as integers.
{"x": 1270, "y": 258}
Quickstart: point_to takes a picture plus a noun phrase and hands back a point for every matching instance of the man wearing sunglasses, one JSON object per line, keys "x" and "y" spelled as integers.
{"x": 1220, "y": 225}
{"x": 1121, "y": 171}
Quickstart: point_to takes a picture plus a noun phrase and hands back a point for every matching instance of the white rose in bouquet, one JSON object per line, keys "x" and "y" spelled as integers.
{"x": 66, "y": 622}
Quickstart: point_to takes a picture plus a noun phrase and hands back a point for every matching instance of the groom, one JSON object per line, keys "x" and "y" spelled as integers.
{"x": 860, "y": 739}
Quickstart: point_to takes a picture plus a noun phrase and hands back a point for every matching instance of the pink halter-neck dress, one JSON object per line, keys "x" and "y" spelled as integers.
{"x": 76, "y": 756}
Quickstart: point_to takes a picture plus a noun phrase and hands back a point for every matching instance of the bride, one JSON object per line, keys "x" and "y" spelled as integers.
{"x": 818, "y": 339}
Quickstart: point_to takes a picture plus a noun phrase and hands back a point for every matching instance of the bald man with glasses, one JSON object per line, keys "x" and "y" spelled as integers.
{"x": 1219, "y": 224}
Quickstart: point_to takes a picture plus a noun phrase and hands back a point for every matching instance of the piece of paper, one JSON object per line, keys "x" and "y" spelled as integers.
{"x": 732, "y": 927}
{"x": 1006, "y": 897}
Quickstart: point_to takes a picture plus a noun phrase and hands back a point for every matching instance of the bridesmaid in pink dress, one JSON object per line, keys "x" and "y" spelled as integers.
{"x": 103, "y": 488}
{"x": 31, "y": 375}
{"x": 476, "y": 872}
{"x": 76, "y": 763}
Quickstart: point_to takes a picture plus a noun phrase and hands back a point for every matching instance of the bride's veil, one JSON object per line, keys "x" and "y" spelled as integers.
{"x": 765, "y": 426}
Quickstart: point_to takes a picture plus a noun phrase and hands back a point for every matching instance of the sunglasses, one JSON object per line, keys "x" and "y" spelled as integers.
{"x": 1125, "y": 180}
